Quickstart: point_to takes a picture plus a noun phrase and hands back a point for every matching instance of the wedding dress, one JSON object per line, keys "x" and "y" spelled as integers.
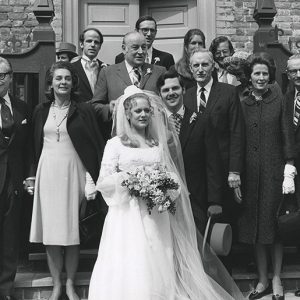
{"x": 153, "y": 256}
{"x": 135, "y": 259}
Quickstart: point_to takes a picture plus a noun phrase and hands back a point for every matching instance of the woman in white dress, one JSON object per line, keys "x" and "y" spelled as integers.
{"x": 141, "y": 255}
{"x": 68, "y": 150}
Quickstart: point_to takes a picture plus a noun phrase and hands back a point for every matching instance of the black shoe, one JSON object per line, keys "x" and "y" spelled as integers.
{"x": 257, "y": 295}
{"x": 297, "y": 293}
{"x": 277, "y": 297}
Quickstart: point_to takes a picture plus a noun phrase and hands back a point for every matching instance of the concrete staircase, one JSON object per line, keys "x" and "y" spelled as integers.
{"x": 33, "y": 280}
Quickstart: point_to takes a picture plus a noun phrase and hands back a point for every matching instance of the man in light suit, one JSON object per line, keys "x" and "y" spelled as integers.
{"x": 201, "y": 160}
{"x": 148, "y": 27}
{"x": 14, "y": 137}
{"x": 219, "y": 105}
{"x": 115, "y": 78}
{"x": 88, "y": 66}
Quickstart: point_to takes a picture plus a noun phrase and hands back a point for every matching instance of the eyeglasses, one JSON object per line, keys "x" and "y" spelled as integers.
{"x": 224, "y": 52}
{"x": 146, "y": 30}
{"x": 293, "y": 72}
{"x": 3, "y": 75}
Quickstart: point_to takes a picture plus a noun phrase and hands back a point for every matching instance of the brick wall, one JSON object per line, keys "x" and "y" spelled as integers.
{"x": 17, "y": 19}
{"x": 234, "y": 19}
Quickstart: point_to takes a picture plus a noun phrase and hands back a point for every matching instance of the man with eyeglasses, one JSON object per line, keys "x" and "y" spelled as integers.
{"x": 221, "y": 47}
{"x": 14, "y": 138}
{"x": 292, "y": 104}
{"x": 148, "y": 27}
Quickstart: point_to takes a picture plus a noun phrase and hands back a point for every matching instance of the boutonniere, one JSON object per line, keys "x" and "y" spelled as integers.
{"x": 156, "y": 60}
{"x": 103, "y": 65}
{"x": 193, "y": 118}
{"x": 149, "y": 71}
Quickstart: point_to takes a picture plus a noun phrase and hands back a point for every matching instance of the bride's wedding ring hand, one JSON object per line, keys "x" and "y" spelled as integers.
{"x": 29, "y": 185}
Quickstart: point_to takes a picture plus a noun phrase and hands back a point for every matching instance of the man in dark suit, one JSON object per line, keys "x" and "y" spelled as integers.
{"x": 201, "y": 160}
{"x": 148, "y": 27}
{"x": 88, "y": 66}
{"x": 115, "y": 78}
{"x": 219, "y": 105}
{"x": 14, "y": 123}
{"x": 292, "y": 104}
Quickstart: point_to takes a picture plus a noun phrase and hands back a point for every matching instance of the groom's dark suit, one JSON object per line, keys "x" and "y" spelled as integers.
{"x": 14, "y": 160}
{"x": 202, "y": 166}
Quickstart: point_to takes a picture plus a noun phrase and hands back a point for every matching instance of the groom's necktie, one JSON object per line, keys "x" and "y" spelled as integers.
{"x": 136, "y": 77}
{"x": 175, "y": 120}
{"x": 6, "y": 118}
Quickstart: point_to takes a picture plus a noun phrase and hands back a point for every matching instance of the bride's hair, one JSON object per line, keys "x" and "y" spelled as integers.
{"x": 128, "y": 105}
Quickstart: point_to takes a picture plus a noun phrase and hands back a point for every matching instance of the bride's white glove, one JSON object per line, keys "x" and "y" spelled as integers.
{"x": 90, "y": 187}
{"x": 288, "y": 185}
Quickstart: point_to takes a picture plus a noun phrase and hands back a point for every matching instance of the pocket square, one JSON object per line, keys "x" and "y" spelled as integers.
{"x": 24, "y": 121}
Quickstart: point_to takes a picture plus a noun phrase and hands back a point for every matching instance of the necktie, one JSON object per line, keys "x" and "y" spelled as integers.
{"x": 136, "y": 77}
{"x": 147, "y": 59}
{"x": 92, "y": 68}
{"x": 175, "y": 120}
{"x": 202, "y": 101}
{"x": 7, "y": 119}
{"x": 297, "y": 109}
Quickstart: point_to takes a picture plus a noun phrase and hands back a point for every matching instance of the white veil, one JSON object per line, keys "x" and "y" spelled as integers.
{"x": 196, "y": 277}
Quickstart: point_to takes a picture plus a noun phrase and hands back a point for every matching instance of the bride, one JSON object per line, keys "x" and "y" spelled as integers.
{"x": 146, "y": 256}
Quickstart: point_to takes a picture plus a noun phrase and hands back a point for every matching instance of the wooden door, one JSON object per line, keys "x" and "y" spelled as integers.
{"x": 174, "y": 18}
{"x": 114, "y": 18}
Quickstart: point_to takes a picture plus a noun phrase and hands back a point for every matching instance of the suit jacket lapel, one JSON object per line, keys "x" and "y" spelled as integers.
{"x": 123, "y": 73}
{"x": 290, "y": 106}
{"x": 213, "y": 97}
{"x": 146, "y": 73}
{"x": 186, "y": 127}
{"x": 83, "y": 76}
{"x": 154, "y": 55}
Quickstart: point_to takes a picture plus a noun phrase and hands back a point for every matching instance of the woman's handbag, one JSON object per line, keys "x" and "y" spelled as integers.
{"x": 288, "y": 220}
{"x": 218, "y": 236}
{"x": 91, "y": 219}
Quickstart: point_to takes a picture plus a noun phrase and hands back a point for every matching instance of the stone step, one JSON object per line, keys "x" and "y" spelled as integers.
{"x": 38, "y": 286}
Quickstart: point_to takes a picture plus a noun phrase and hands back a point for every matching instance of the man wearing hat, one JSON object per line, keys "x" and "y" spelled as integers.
{"x": 66, "y": 52}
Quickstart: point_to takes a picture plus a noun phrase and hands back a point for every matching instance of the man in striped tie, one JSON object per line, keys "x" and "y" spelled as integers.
{"x": 292, "y": 103}
{"x": 201, "y": 159}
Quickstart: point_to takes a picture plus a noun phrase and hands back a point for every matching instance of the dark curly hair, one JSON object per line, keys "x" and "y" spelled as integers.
{"x": 262, "y": 58}
{"x": 49, "y": 78}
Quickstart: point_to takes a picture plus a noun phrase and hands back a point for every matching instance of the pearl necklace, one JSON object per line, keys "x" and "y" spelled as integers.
{"x": 59, "y": 123}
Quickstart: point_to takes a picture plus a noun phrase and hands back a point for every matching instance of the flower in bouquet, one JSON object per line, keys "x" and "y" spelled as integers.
{"x": 154, "y": 185}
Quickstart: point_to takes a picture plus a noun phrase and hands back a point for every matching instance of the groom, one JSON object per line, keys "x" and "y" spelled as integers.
{"x": 201, "y": 159}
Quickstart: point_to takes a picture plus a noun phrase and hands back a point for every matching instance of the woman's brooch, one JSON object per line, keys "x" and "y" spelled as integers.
{"x": 193, "y": 118}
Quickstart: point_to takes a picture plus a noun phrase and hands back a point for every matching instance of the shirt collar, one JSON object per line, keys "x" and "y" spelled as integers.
{"x": 85, "y": 58}
{"x": 179, "y": 112}
{"x": 7, "y": 99}
{"x": 207, "y": 86}
{"x": 130, "y": 67}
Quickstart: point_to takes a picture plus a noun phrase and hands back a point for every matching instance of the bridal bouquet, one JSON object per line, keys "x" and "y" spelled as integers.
{"x": 154, "y": 185}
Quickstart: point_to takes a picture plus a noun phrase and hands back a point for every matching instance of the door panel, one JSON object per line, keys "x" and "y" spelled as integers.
{"x": 174, "y": 18}
{"x": 113, "y": 18}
